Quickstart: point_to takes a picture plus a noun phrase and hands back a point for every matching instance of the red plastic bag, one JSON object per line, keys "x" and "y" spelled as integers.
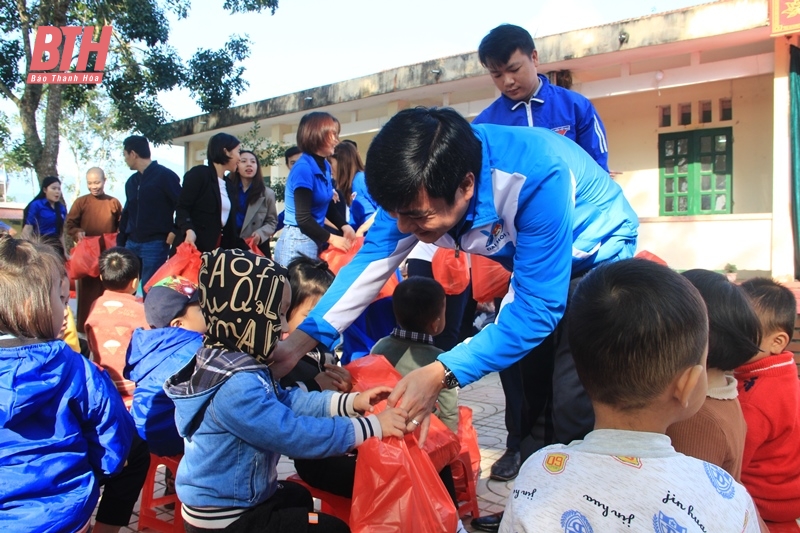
{"x": 109, "y": 240}
{"x": 336, "y": 259}
{"x": 372, "y": 371}
{"x": 250, "y": 242}
{"x": 397, "y": 489}
{"x": 442, "y": 445}
{"x": 185, "y": 263}
{"x": 489, "y": 279}
{"x": 644, "y": 254}
{"x": 451, "y": 270}
{"x": 85, "y": 259}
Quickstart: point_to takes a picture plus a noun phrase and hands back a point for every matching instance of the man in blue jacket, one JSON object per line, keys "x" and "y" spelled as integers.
{"x": 525, "y": 197}
{"x": 528, "y": 99}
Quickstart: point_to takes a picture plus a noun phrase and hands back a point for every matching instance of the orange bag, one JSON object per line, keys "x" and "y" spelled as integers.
{"x": 397, "y": 489}
{"x": 644, "y": 254}
{"x": 84, "y": 260}
{"x": 336, "y": 259}
{"x": 489, "y": 279}
{"x": 451, "y": 270}
{"x": 109, "y": 240}
{"x": 185, "y": 263}
{"x": 250, "y": 242}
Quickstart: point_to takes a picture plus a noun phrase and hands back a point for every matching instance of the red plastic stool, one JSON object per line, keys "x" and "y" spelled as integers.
{"x": 465, "y": 482}
{"x": 338, "y": 506}
{"x": 147, "y": 510}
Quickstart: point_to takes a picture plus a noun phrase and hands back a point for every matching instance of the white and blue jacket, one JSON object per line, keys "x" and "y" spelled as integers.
{"x": 565, "y": 112}
{"x": 542, "y": 208}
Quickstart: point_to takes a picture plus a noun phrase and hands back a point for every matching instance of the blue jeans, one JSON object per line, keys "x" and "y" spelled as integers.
{"x": 291, "y": 244}
{"x": 152, "y": 254}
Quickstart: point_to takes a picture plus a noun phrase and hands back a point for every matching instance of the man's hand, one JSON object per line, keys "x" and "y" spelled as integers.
{"x": 365, "y": 401}
{"x": 79, "y": 236}
{"x": 393, "y": 420}
{"x": 288, "y": 352}
{"x": 417, "y": 393}
{"x": 342, "y": 377}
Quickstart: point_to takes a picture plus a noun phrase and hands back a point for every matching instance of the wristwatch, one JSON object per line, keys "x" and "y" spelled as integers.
{"x": 449, "y": 380}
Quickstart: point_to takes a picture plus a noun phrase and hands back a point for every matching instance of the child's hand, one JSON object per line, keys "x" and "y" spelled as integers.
{"x": 341, "y": 376}
{"x": 365, "y": 401}
{"x": 393, "y": 422}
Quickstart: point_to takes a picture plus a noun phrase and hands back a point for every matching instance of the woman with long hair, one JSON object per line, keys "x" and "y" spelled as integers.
{"x": 45, "y": 215}
{"x": 349, "y": 176}
{"x": 309, "y": 193}
{"x": 205, "y": 215}
{"x": 256, "y": 214}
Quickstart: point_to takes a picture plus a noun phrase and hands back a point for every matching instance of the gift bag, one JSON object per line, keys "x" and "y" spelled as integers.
{"x": 185, "y": 263}
{"x": 109, "y": 240}
{"x": 397, "y": 489}
{"x": 489, "y": 279}
{"x": 252, "y": 246}
{"x": 336, "y": 259}
{"x": 451, "y": 270}
{"x": 85, "y": 259}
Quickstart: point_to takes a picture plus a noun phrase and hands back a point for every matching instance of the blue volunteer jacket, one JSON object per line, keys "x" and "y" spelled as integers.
{"x": 542, "y": 208}
{"x": 62, "y": 424}
{"x": 566, "y": 112}
{"x": 153, "y": 356}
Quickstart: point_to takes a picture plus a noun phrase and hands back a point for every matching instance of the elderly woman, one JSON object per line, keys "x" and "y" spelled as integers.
{"x": 92, "y": 215}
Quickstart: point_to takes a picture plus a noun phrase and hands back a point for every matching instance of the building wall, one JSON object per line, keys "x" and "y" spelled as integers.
{"x": 632, "y": 124}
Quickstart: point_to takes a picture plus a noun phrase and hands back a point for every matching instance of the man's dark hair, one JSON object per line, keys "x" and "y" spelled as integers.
{"x": 138, "y": 144}
{"x": 217, "y": 144}
{"x": 429, "y": 149}
{"x": 501, "y": 43}
{"x": 634, "y": 325}
{"x": 774, "y": 304}
{"x": 291, "y": 151}
{"x": 733, "y": 329}
{"x": 118, "y": 266}
{"x": 417, "y": 302}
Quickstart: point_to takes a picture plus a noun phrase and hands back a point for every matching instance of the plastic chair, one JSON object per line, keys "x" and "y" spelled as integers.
{"x": 147, "y": 512}
{"x": 338, "y": 506}
{"x": 467, "y": 466}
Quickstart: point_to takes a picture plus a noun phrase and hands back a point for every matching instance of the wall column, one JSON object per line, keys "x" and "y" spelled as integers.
{"x": 782, "y": 243}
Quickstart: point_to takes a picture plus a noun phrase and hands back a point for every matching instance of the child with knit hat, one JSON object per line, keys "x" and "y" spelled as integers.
{"x": 237, "y": 420}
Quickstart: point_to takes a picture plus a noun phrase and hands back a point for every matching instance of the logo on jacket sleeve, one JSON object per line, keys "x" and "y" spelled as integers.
{"x": 665, "y": 524}
{"x": 722, "y": 481}
{"x": 555, "y": 463}
{"x": 561, "y": 130}
{"x": 496, "y": 234}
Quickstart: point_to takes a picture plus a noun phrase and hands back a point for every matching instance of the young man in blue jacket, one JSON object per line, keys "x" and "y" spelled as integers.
{"x": 528, "y": 99}
{"x": 525, "y": 197}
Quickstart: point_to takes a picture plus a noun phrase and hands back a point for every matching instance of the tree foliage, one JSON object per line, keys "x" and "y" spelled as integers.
{"x": 140, "y": 65}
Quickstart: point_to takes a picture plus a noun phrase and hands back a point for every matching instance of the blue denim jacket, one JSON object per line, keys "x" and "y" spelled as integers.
{"x": 237, "y": 422}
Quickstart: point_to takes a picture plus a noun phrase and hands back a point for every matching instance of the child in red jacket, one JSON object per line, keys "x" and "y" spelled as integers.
{"x": 769, "y": 392}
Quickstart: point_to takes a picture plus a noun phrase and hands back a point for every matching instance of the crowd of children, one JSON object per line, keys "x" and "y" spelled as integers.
{"x": 697, "y": 401}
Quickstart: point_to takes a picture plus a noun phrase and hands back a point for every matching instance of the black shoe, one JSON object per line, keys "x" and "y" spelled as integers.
{"x": 489, "y": 522}
{"x": 507, "y": 467}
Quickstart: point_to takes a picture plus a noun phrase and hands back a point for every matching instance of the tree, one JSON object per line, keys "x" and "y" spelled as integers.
{"x": 140, "y": 64}
{"x": 268, "y": 153}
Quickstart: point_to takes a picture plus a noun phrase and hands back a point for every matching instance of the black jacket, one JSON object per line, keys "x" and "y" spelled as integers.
{"x": 150, "y": 200}
{"x": 199, "y": 209}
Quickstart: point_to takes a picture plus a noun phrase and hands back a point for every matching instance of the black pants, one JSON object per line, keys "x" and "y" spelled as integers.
{"x": 287, "y": 511}
{"x": 121, "y": 492}
{"x": 556, "y": 407}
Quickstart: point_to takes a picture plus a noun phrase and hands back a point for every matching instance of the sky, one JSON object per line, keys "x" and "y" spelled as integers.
{"x": 309, "y": 43}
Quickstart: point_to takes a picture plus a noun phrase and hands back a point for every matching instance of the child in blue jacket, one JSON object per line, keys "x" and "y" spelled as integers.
{"x": 237, "y": 420}
{"x": 63, "y": 425}
{"x": 173, "y": 311}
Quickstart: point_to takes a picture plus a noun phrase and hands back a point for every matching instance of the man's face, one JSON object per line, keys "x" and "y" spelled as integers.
{"x": 517, "y": 79}
{"x": 130, "y": 159}
{"x": 95, "y": 183}
{"x": 430, "y": 218}
{"x": 292, "y": 160}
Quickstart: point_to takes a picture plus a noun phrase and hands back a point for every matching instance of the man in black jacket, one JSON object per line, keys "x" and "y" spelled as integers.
{"x": 151, "y": 195}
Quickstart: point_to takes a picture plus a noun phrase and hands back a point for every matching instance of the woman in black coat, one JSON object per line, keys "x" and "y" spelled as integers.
{"x": 206, "y": 211}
